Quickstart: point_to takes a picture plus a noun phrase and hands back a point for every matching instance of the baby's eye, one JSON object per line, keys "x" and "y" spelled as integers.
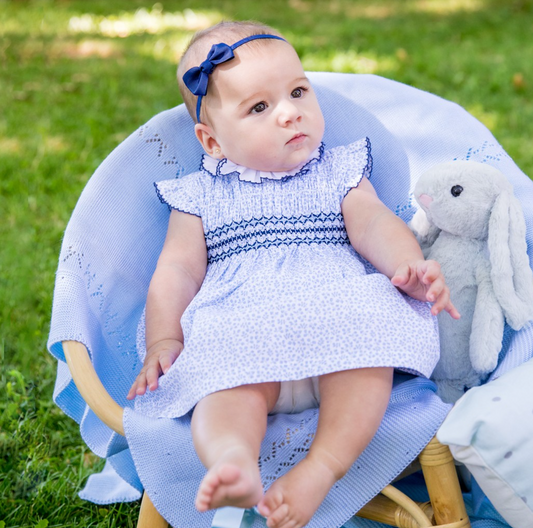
{"x": 258, "y": 108}
{"x": 298, "y": 92}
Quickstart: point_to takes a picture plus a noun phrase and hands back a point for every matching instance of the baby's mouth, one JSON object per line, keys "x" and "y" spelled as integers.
{"x": 297, "y": 138}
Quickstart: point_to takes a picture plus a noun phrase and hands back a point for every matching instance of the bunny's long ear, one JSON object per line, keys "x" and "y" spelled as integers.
{"x": 511, "y": 274}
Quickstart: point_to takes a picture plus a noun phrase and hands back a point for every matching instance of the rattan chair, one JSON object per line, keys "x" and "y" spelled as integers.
{"x": 445, "y": 509}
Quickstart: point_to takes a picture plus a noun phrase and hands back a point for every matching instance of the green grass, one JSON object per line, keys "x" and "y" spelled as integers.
{"x": 77, "y": 77}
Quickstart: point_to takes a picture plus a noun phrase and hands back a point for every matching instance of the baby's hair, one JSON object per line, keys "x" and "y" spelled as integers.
{"x": 200, "y": 44}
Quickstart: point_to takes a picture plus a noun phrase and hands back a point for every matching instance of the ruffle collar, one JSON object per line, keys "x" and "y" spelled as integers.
{"x": 225, "y": 167}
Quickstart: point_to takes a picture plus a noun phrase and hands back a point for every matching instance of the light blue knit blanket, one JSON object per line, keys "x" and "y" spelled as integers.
{"x": 109, "y": 253}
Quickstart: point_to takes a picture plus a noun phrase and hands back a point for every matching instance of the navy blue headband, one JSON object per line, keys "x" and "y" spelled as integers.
{"x": 196, "y": 79}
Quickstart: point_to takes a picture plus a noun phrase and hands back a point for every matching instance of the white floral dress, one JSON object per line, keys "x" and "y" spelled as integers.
{"x": 285, "y": 297}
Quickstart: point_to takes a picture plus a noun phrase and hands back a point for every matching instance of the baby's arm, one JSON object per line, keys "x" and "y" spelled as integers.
{"x": 178, "y": 276}
{"x": 383, "y": 239}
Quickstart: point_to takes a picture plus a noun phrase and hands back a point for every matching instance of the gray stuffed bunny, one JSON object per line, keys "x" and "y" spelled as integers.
{"x": 475, "y": 228}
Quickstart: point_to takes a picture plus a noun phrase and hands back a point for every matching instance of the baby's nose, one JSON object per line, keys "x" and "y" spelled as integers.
{"x": 288, "y": 113}
{"x": 425, "y": 199}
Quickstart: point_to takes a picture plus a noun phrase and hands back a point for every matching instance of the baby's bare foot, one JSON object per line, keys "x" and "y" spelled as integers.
{"x": 294, "y": 498}
{"x": 234, "y": 481}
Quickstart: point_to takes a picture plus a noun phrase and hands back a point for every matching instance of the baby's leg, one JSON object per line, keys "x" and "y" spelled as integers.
{"x": 228, "y": 428}
{"x": 352, "y": 405}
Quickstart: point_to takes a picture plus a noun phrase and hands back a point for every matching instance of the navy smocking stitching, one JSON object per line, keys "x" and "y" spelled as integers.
{"x": 237, "y": 237}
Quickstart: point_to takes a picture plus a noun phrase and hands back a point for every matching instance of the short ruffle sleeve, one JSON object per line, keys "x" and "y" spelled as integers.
{"x": 350, "y": 164}
{"x": 182, "y": 194}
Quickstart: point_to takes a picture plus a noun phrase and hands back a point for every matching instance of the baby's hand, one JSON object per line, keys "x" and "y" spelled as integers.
{"x": 423, "y": 280}
{"x": 159, "y": 358}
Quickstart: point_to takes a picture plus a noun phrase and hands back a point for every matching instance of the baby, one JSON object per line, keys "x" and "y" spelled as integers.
{"x": 262, "y": 300}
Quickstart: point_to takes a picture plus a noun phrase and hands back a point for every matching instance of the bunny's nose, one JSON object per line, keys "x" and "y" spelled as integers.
{"x": 425, "y": 199}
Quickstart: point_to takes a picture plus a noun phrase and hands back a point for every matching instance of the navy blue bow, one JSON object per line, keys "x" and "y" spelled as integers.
{"x": 196, "y": 79}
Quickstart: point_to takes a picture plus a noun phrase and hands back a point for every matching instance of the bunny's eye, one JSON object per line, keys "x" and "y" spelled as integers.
{"x": 456, "y": 190}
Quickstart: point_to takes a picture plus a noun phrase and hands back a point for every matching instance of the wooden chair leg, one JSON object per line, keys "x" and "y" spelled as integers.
{"x": 443, "y": 486}
{"x": 149, "y": 517}
{"x": 395, "y": 509}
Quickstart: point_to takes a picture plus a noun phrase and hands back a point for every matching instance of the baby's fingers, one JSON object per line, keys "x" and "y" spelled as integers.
{"x": 402, "y": 276}
{"x": 147, "y": 379}
{"x": 436, "y": 289}
{"x": 155, "y": 365}
{"x": 443, "y": 302}
{"x": 447, "y": 307}
{"x": 132, "y": 392}
{"x": 167, "y": 360}
{"x": 152, "y": 377}
{"x": 452, "y": 310}
{"x": 139, "y": 386}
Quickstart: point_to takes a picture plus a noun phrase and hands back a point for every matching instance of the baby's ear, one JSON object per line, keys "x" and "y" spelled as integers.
{"x": 207, "y": 139}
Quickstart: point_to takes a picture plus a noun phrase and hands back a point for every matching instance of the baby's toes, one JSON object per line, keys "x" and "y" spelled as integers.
{"x": 290, "y": 523}
{"x": 269, "y": 503}
{"x": 279, "y": 517}
{"x": 205, "y": 492}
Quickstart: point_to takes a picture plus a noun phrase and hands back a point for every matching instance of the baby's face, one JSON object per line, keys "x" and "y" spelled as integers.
{"x": 263, "y": 111}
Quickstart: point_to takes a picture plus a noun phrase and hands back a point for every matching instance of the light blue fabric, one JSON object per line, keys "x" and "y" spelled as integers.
{"x": 229, "y": 518}
{"x": 109, "y": 487}
{"x": 117, "y": 230}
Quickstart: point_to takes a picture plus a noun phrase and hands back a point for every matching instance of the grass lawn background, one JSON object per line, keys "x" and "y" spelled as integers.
{"x": 78, "y": 77}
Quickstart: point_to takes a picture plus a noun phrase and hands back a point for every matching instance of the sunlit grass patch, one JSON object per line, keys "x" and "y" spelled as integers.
{"x": 89, "y": 48}
{"x": 349, "y": 61}
{"x": 488, "y": 118}
{"x": 152, "y": 21}
{"x": 383, "y": 9}
{"x": 447, "y": 6}
{"x": 169, "y": 47}
{"x": 10, "y": 145}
